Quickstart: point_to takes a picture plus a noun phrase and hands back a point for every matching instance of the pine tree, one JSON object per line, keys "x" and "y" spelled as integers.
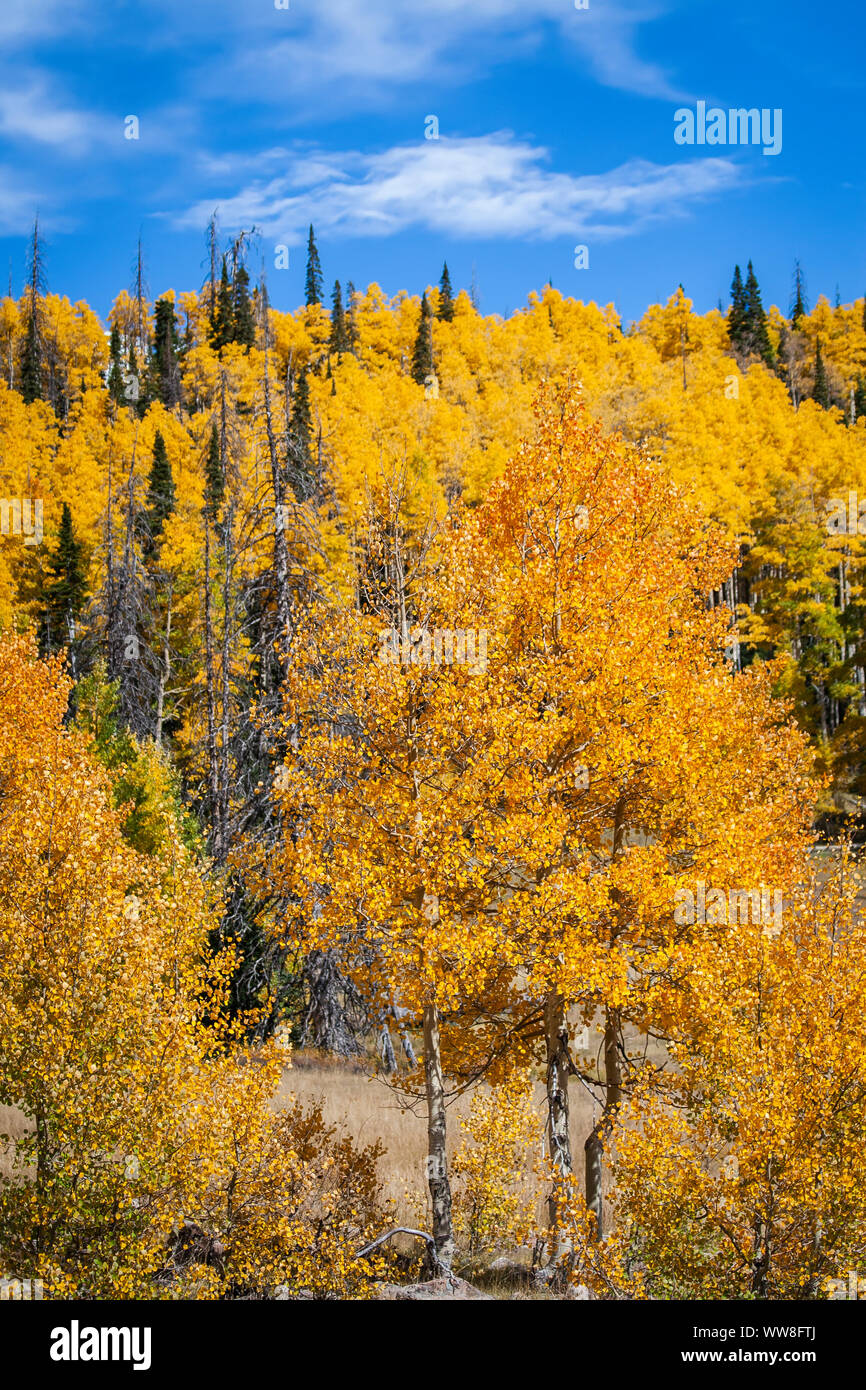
{"x": 314, "y": 281}
{"x": 116, "y": 385}
{"x": 300, "y": 434}
{"x": 66, "y": 589}
{"x": 211, "y": 282}
{"x": 32, "y": 353}
{"x": 446, "y": 298}
{"x": 737, "y": 313}
{"x": 799, "y": 307}
{"x": 821, "y": 389}
{"x": 215, "y": 483}
{"x": 352, "y": 334}
{"x": 422, "y": 357}
{"x": 339, "y": 341}
{"x": 757, "y": 335}
{"x": 164, "y": 370}
{"x": 223, "y": 330}
{"x": 243, "y": 320}
{"x": 160, "y": 490}
{"x": 31, "y": 366}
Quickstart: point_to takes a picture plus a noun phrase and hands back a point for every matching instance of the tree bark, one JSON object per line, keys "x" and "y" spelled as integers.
{"x": 437, "y": 1164}
{"x": 558, "y": 1136}
{"x": 558, "y": 1067}
{"x": 594, "y": 1146}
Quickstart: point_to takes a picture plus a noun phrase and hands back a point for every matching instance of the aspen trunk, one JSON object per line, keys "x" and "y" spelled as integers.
{"x": 437, "y": 1163}
{"x": 556, "y": 1038}
{"x": 558, "y": 1136}
{"x": 594, "y": 1146}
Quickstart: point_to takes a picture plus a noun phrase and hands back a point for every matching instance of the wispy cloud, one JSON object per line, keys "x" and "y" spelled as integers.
{"x": 30, "y": 111}
{"x": 17, "y": 203}
{"x": 343, "y": 54}
{"x": 22, "y": 21}
{"x": 483, "y": 187}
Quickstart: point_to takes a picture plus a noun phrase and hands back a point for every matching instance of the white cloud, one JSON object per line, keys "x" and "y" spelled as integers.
{"x": 30, "y": 112}
{"x": 24, "y": 20}
{"x": 17, "y": 204}
{"x": 342, "y": 53}
{"x": 484, "y": 187}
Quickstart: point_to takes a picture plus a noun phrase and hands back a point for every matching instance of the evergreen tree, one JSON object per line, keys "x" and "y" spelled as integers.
{"x": 31, "y": 356}
{"x": 821, "y": 389}
{"x": 422, "y": 357}
{"x": 339, "y": 341}
{"x": 446, "y": 298}
{"x": 164, "y": 370}
{"x": 215, "y": 482}
{"x": 243, "y": 319}
{"x": 757, "y": 334}
{"x": 860, "y": 398}
{"x": 352, "y": 334}
{"x": 65, "y": 591}
{"x": 223, "y": 330}
{"x": 31, "y": 364}
{"x": 300, "y": 435}
{"x": 799, "y": 307}
{"x": 314, "y": 272}
{"x": 737, "y": 313}
{"x": 116, "y": 386}
{"x": 160, "y": 491}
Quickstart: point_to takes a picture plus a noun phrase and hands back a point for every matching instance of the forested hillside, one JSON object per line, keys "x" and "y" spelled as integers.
{"x": 400, "y": 666}
{"x": 204, "y": 400}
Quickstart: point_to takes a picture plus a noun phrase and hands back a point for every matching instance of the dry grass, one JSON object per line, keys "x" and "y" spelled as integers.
{"x": 370, "y": 1109}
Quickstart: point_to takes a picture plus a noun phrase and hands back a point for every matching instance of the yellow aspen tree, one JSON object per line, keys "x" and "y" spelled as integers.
{"x": 743, "y": 1176}
{"x": 139, "y": 1116}
{"x": 391, "y": 854}
{"x": 627, "y": 733}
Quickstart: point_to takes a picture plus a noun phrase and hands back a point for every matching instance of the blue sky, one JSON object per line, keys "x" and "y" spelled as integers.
{"x": 556, "y": 129}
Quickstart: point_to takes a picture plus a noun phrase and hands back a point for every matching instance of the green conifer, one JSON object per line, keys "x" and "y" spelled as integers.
{"x": 160, "y": 489}
{"x": 116, "y": 386}
{"x": 339, "y": 340}
{"x": 215, "y": 482}
{"x": 243, "y": 319}
{"x": 422, "y": 356}
{"x": 65, "y": 591}
{"x": 313, "y": 283}
{"x": 446, "y": 298}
